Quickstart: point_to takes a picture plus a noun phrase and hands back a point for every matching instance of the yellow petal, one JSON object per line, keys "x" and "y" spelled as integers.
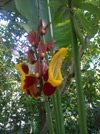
{"x": 22, "y": 84}
{"x": 22, "y": 68}
{"x": 54, "y": 73}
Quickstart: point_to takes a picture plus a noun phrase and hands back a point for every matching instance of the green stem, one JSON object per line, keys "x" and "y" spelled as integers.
{"x": 80, "y": 95}
{"x": 49, "y": 118}
{"x": 56, "y": 114}
{"x": 60, "y": 113}
{"x": 49, "y": 15}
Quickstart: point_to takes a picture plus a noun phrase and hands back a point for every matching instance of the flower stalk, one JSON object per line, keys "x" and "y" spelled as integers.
{"x": 60, "y": 113}
{"x": 49, "y": 118}
{"x": 56, "y": 114}
{"x": 80, "y": 94}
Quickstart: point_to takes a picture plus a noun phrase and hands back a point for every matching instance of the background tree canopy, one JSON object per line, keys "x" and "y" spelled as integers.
{"x": 22, "y": 114}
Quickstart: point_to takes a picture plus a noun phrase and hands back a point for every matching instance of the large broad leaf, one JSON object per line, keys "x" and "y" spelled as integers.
{"x": 28, "y": 8}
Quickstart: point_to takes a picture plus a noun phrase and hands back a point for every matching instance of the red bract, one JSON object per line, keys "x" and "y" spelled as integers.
{"x": 42, "y": 49}
{"x": 45, "y": 70}
{"x": 45, "y": 76}
{"x": 37, "y": 69}
{"x": 43, "y": 30}
{"x": 49, "y": 46}
{"x": 45, "y": 67}
{"x": 31, "y": 56}
{"x": 33, "y": 38}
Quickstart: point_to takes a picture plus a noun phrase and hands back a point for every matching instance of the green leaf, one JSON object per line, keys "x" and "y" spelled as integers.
{"x": 78, "y": 32}
{"x": 91, "y": 8}
{"x": 55, "y": 3}
{"x": 28, "y": 8}
{"x": 61, "y": 15}
{"x": 62, "y": 35}
{"x": 97, "y": 3}
{"x": 27, "y": 27}
{"x": 87, "y": 25}
{"x": 77, "y": 3}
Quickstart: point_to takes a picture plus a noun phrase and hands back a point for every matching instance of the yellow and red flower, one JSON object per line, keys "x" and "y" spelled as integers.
{"x": 53, "y": 76}
{"x": 29, "y": 81}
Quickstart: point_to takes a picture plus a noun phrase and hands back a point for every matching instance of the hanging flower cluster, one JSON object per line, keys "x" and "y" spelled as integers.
{"x": 50, "y": 76}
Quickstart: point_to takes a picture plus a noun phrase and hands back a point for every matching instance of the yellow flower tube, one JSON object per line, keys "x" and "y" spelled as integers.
{"x": 54, "y": 72}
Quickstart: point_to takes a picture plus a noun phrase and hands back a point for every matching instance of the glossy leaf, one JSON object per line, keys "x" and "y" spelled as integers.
{"x": 28, "y": 8}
